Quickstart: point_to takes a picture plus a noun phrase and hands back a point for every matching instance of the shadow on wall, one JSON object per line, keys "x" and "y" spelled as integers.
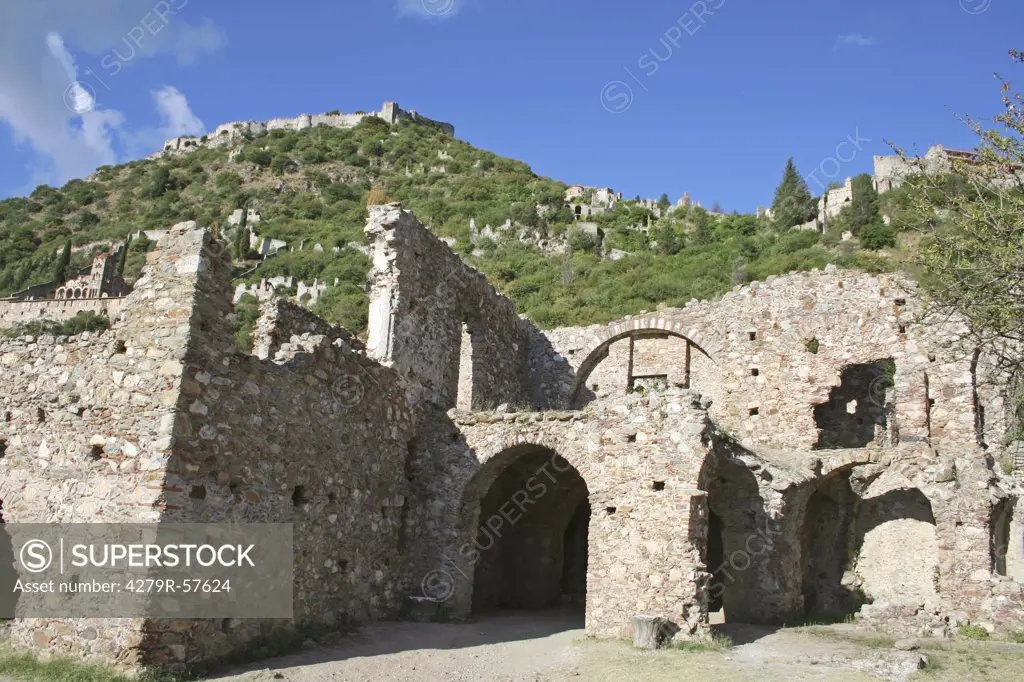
{"x": 858, "y": 550}
{"x": 738, "y": 549}
{"x": 550, "y": 378}
{"x": 826, "y": 551}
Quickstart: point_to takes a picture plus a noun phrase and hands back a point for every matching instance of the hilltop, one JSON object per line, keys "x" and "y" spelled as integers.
{"x": 310, "y": 186}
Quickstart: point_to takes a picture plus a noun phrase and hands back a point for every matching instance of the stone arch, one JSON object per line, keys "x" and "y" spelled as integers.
{"x": 521, "y": 531}
{"x": 897, "y": 549}
{"x": 597, "y": 348}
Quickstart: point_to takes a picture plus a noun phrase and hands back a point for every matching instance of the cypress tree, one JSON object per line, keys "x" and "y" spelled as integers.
{"x": 123, "y": 259}
{"x": 793, "y": 204}
{"x": 60, "y": 272}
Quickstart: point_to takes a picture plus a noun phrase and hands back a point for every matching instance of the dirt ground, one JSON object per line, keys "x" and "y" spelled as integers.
{"x": 552, "y": 646}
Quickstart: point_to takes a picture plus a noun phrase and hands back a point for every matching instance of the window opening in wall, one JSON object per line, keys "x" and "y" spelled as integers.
{"x": 299, "y": 496}
{"x": 858, "y": 410}
{"x": 464, "y": 388}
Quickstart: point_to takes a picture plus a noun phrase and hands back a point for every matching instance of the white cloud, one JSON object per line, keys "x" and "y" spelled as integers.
{"x": 430, "y": 9}
{"x": 52, "y": 102}
{"x": 855, "y": 40}
{"x": 175, "y": 113}
{"x": 176, "y": 119}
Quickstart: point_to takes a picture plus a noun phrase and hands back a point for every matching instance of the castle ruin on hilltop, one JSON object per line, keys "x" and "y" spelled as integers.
{"x": 228, "y": 133}
{"x": 816, "y": 444}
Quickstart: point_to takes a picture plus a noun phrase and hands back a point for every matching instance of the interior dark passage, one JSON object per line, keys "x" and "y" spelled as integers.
{"x": 716, "y": 563}
{"x": 533, "y": 536}
{"x": 826, "y": 551}
{"x": 737, "y": 548}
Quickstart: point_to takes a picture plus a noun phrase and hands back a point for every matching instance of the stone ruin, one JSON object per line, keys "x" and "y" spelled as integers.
{"x": 229, "y": 133}
{"x": 815, "y": 445}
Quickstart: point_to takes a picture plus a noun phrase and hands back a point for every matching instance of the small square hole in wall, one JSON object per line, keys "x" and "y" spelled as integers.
{"x": 40, "y": 415}
{"x": 96, "y": 453}
{"x": 931, "y": 402}
{"x": 332, "y": 497}
{"x": 198, "y": 492}
{"x": 594, "y": 387}
{"x": 754, "y": 411}
{"x": 8, "y": 417}
{"x": 299, "y": 496}
{"x": 753, "y": 336}
{"x": 658, "y": 485}
{"x": 900, "y": 301}
{"x": 3, "y": 447}
{"x": 610, "y": 510}
{"x": 903, "y": 329}
{"x": 755, "y": 372}
{"x": 631, "y": 438}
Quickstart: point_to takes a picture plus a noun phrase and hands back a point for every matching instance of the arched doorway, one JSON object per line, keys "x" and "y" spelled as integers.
{"x": 531, "y": 533}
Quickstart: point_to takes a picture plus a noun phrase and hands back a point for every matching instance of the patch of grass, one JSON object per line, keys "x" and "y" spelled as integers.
{"x": 933, "y": 667}
{"x": 878, "y": 641}
{"x": 719, "y": 642}
{"x": 25, "y": 666}
{"x": 971, "y": 631}
{"x": 1017, "y": 637}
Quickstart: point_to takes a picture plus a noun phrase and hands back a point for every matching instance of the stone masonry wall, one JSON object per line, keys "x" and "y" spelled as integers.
{"x": 769, "y": 353}
{"x": 640, "y": 457}
{"x": 280, "y": 320}
{"x": 20, "y": 312}
{"x": 87, "y": 427}
{"x": 160, "y": 419}
{"x": 422, "y": 298}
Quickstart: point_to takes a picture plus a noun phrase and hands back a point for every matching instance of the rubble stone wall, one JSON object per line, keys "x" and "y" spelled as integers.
{"x": 768, "y": 354}
{"x": 422, "y": 298}
{"x": 19, "y": 312}
{"x": 177, "y": 426}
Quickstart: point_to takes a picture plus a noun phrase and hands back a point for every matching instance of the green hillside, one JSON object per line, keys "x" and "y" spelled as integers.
{"x": 314, "y": 185}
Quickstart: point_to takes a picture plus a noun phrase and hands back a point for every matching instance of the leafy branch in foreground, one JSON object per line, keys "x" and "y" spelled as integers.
{"x": 970, "y": 208}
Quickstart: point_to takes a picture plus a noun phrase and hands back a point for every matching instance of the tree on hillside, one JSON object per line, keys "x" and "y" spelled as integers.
{"x": 60, "y": 272}
{"x": 664, "y": 202}
{"x": 973, "y": 219}
{"x": 793, "y": 204}
{"x": 123, "y": 257}
{"x": 863, "y": 217}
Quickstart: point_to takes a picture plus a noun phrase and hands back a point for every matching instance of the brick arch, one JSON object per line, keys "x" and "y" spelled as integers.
{"x": 596, "y": 349}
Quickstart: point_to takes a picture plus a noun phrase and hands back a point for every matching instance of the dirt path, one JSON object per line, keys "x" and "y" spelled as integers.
{"x": 552, "y": 646}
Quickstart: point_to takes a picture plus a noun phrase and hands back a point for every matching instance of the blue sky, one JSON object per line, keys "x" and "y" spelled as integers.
{"x": 706, "y": 97}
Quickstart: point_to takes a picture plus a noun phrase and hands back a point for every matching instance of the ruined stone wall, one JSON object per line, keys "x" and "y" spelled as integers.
{"x": 87, "y": 426}
{"x": 422, "y": 299}
{"x": 19, "y": 312}
{"x": 280, "y": 320}
{"x": 317, "y": 438}
{"x": 226, "y": 133}
{"x": 176, "y": 426}
{"x": 769, "y": 353}
{"x": 640, "y": 458}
